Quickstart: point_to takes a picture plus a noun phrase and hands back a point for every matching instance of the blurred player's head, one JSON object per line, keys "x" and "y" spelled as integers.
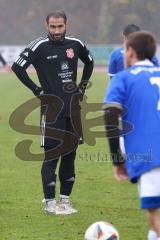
{"x": 56, "y": 25}
{"x": 131, "y": 28}
{"x": 139, "y": 46}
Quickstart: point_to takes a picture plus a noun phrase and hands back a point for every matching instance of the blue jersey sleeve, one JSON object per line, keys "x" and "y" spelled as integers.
{"x": 112, "y": 65}
{"x": 155, "y": 61}
{"x": 116, "y": 91}
{"x": 116, "y": 63}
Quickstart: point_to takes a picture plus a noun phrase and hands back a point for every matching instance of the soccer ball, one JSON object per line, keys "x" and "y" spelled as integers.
{"x": 101, "y": 231}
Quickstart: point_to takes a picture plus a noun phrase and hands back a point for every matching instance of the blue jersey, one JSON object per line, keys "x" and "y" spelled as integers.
{"x": 138, "y": 90}
{"x": 116, "y": 63}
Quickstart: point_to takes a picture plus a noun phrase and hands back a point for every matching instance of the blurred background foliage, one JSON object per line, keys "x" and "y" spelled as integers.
{"x": 94, "y": 21}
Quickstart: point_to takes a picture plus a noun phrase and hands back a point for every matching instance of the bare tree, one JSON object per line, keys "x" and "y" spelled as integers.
{"x": 105, "y": 21}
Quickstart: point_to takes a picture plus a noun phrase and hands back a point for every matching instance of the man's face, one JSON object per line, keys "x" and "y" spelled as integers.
{"x": 56, "y": 28}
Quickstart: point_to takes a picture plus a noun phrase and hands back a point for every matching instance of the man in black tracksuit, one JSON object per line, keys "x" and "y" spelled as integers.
{"x": 55, "y": 58}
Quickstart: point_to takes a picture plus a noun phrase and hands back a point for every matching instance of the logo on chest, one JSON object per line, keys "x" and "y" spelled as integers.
{"x": 70, "y": 53}
{"x": 64, "y": 66}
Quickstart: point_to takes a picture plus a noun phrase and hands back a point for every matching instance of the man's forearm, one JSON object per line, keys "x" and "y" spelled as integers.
{"x": 115, "y": 150}
{"x": 24, "y": 78}
{"x": 87, "y": 72}
{"x": 113, "y": 133}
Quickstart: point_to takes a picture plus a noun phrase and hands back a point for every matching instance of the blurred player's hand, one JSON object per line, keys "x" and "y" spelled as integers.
{"x": 7, "y": 68}
{"x": 120, "y": 172}
{"x": 80, "y": 94}
{"x": 38, "y": 91}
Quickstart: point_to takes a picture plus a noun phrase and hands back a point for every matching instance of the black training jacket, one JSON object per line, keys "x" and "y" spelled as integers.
{"x": 56, "y": 66}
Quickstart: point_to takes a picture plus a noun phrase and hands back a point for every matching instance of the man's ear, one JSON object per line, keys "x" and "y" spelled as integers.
{"x": 130, "y": 50}
{"x": 133, "y": 52}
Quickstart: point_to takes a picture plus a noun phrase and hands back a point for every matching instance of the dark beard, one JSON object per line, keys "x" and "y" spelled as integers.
{"x": 52, "y": 37}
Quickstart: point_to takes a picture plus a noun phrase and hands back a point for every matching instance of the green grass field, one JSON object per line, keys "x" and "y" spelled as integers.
{"x": 97, "y": 195}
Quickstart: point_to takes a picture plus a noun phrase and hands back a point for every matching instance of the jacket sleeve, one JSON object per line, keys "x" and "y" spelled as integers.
{"x": 24, "y": 60}
{"x": 87, "y": 59}
{"x": 112, "y": 69}
{"x": 113, "y": 133}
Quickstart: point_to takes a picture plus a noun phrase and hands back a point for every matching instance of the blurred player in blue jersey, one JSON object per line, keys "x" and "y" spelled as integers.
{"x": 116, "y": 62}
{"x": 134, "y": 96}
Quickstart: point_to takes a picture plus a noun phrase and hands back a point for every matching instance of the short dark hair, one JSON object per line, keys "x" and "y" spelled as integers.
{"x": 57, "y": 14}
{"x": 130, "y": 29}
{"x": 143, "y": 43}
